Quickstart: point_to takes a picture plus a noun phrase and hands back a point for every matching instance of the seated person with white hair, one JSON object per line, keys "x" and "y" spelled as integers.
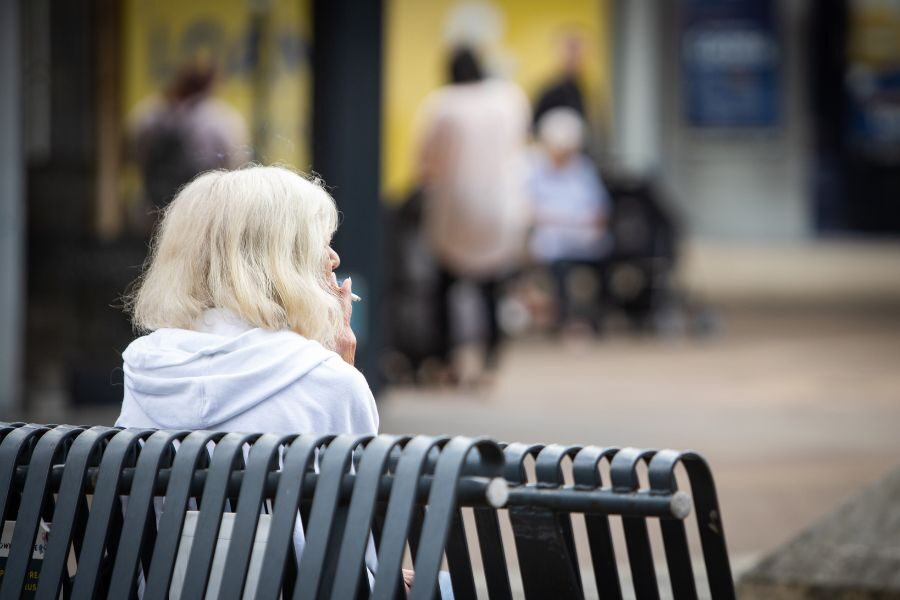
{"x": 247, "y": 327}
{"x": 570, "y": 204}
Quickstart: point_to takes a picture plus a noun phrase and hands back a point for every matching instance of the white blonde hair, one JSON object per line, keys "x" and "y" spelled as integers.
{"x": 253, "y": 241}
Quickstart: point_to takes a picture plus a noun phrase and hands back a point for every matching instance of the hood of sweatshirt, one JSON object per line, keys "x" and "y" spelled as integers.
{"x": 196, "y": 379}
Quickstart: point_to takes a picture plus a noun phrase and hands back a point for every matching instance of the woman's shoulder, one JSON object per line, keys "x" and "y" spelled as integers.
{"x": 339, "y": 375}
{"x": 345, "y": 392}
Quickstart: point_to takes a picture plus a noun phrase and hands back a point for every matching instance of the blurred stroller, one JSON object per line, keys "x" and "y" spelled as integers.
{"x": 641, "y": 269}
{"x": 413, "y": 341}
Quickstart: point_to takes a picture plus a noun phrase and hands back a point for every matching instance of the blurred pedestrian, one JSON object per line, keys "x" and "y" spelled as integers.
{"x": 571, "y": 206}
{"x": 184, "y": 131}
{"x": 476, "y": 214}
{"x": 564, "y": 90}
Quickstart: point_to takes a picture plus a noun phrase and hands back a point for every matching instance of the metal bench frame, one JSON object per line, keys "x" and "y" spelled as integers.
{"x": 403, "y": 492}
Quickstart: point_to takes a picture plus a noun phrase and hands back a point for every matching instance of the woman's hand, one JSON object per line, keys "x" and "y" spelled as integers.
{"x": 345, "y": 345}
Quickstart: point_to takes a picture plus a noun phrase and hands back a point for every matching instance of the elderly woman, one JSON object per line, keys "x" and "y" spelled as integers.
{"x": 249, "y": 329}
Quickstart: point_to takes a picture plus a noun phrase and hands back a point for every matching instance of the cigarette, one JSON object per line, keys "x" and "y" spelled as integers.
{"x": 354, "y": 297}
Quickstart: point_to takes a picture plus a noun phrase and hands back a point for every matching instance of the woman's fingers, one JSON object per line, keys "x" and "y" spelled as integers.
{"x": 408, "y": 577}
{"x": 346, "y": 295}
{"x": 346, "y": 342}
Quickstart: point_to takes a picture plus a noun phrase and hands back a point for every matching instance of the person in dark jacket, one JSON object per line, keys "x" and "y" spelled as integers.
{"x": 564, "y": 90}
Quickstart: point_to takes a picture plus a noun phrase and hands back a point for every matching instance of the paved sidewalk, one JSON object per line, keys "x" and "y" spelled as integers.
{"x": 796, "y": 412}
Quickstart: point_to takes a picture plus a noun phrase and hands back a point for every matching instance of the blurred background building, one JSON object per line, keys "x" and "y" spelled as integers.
{"x": 764, "y": 121}
{"x": 764, "y": 134}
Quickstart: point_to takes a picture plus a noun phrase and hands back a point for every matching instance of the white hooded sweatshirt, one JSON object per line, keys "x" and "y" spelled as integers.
{"x": 229, "y": 376}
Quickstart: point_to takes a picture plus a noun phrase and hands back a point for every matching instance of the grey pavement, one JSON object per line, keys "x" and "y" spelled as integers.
{"x": 795, "y": 410}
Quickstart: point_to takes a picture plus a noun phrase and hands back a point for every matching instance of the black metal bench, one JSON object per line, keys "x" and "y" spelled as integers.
{"x": 403, "y": 493}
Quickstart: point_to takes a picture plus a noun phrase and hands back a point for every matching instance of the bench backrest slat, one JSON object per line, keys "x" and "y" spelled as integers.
{"x": 138, "y": 536}
{"x": 326, "y": 519}
{"x": 263, "y": 459}
{"x": 493, "y": 555}
{"x": 106, "y": 513}
{"x": 71, "y": 508}
{"x": 191, "y": 454}
{"x": 279, "y": 568}
{"x": 229, "y": 454}
{"x": 350, "y": 565}
{"x": 35, "y": 503}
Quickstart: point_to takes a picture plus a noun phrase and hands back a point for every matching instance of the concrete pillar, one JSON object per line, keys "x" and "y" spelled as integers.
{"x": 637, "y": 85}
{"x": 346, "y": 152}
{"x": 12, "y": 214}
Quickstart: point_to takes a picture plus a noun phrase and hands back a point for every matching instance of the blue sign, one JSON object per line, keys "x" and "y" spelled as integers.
{"x": 730, "y": 53}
